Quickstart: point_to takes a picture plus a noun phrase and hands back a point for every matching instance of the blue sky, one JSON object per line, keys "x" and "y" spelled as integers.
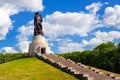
{"x": 69, "y": 25}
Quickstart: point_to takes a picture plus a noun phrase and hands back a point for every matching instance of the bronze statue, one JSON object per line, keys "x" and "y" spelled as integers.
{"x": 38, "y": 24}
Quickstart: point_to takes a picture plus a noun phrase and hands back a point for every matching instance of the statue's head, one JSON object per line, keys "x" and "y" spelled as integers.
{"x": 36, "y": 13}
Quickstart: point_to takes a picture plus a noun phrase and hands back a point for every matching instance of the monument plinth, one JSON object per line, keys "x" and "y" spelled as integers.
{"x": 38, "y": 45}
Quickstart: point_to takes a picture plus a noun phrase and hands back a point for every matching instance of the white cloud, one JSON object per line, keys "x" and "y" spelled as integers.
{"x": 8, "y": 50}
{"x": 56, "y": 24}
{"x": 11, "y": 7}
{"x": 94, "y": 7}
{"x": 25, "y": 31}
{"x": 69, "y": 23}
{"x": 106, "y": 3}
{"x": 22, "y": 46}
{"x": 110, "y": 36}
{"x": 112, "y": 16}
{"x": 92, "y": 42}
{"x": 23, "y": 42}
{"x": 14, "y": 6}
{"x": 5, "y": 24}
{"x": 101, "y": 37}
{"x": 66, "y": 45}
{"x": 60, "y": 24}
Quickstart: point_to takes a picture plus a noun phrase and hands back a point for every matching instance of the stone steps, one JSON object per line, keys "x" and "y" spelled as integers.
{"x": 77, "y": 69}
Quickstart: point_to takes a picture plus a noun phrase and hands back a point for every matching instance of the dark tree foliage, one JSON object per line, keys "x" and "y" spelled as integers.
{"x": 105, "y": 56}
{"x": 9, "y": 57}
{"x": 118, "y": 47}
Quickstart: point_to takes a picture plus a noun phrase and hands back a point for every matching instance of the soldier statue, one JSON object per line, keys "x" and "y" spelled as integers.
{"x": 38, "y": 24}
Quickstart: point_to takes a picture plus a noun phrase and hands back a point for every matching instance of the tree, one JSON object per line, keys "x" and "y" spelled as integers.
{"x": 105, "y": 56}
{"x": 104, "y": 47}
{"x": 118, "y": 47}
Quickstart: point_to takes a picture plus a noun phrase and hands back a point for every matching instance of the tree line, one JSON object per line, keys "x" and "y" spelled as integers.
{"x": 104, "y": 56}
{"x": 9, "y": 57}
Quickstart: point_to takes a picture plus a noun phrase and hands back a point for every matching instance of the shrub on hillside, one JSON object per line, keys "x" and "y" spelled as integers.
{"x": 105, "y": 56}
{"x": 9, "y": 57}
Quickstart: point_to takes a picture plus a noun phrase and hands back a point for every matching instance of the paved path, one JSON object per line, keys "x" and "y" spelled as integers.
{"x": 77, "y": 69}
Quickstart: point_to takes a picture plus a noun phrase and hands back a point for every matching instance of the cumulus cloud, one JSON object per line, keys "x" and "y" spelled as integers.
{"x": 69, "y": 23}
{"x": 20, "y": 5}
{"x": 25, "y": 31}
{"x": 108, "y": 36}
{"x": 92, "y": 42}
{"x": 22, "y": 46}
{"x": 60, "y": 24}
{"x": 67, "y": 45}
{"x": 8, "y": 50}
{"x": 112, "y": 16}
{"x": 5, "y": 24}
{"x": 94, "y": 7}
{"x": 11, "y": 7}
{"x": 101, "y": 37}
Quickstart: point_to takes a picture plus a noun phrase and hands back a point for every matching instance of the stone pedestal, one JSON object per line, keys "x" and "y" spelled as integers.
{"x": 39, "y": 45}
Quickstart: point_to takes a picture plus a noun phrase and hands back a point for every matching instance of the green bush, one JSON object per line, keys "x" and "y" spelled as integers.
{"x": 105, "y": 56}
{"x": 9, "y": 57}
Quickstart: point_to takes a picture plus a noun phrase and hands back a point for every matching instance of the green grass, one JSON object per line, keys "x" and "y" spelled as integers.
{"x": 31, "y": 69}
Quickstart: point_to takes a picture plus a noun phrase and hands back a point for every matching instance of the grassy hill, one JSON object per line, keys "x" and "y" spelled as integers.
{"x": 31, "y": 69}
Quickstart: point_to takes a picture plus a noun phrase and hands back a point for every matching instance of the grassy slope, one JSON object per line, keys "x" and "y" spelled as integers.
{"x": 31, "y": 69}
